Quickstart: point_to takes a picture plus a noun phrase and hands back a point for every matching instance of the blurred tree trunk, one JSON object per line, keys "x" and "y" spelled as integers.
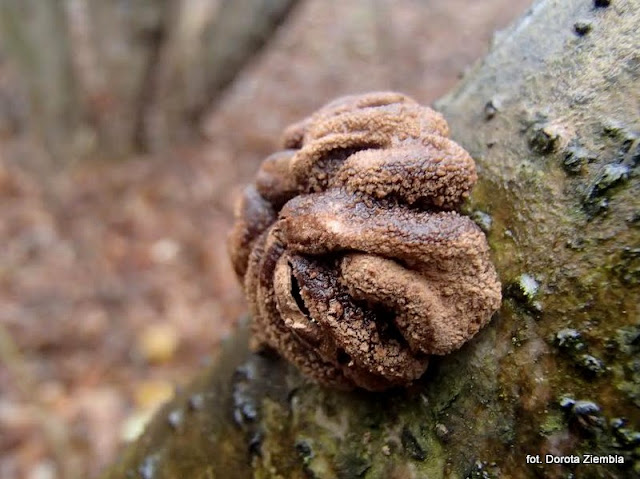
{"x": 551, "y": 117}
{"x": 119, "y": 77}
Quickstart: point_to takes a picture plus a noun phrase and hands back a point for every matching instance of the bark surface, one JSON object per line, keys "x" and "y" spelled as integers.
{"x": 551, "y": 118}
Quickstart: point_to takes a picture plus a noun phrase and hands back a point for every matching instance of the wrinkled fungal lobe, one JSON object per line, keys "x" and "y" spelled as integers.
{"x": 356, "y": 265}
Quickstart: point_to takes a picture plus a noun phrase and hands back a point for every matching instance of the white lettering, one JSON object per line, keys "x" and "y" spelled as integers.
{"x": 551, "y": 459}
{"x": 572, "y": 459}
{"x": 609, "y": 459}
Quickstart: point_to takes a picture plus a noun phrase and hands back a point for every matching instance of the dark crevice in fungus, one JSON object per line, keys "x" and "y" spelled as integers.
{"x": 295, "y": 292}
{"x": 385, "y": 321}
{"x": 355, "y": 261}
{"x": 342, "y": 357}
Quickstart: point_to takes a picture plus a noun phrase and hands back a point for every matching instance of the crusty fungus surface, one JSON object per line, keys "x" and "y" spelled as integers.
{"x": 355, "y": 263}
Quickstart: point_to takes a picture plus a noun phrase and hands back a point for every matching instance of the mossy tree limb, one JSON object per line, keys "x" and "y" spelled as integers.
{"x": 551, "y": 117}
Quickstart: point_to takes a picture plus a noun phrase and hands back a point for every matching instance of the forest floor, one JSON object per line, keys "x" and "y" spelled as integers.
{"x": 115, "y": 286}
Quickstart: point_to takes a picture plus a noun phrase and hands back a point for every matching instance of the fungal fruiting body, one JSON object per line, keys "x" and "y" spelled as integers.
{"x": 354, "y": 261}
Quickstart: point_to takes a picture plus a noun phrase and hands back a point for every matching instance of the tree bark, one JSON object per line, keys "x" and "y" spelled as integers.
{"x": 112, "y": 79}
{"x": 551, "y": 117}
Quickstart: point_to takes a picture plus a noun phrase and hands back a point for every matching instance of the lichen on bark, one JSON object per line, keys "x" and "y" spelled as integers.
{"x": 551, "y": 118}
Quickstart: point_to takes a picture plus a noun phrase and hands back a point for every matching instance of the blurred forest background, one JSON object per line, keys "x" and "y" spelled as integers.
{"x": 126, "y": 129}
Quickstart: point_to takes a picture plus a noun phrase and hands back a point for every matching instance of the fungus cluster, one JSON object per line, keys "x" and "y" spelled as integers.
{"x": 355, "y": 264}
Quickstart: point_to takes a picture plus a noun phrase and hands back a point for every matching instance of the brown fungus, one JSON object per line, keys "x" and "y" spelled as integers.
{"x": 356, "y": 265}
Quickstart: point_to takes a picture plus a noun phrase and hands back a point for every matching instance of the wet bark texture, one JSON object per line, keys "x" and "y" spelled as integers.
{"x": 551, "y": 117}
{"x": 116, "y": 78}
